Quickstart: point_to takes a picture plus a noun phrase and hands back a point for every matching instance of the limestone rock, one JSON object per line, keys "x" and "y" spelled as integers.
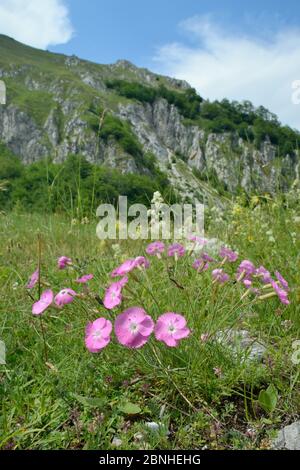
{"x": 241, "y": 343}
{"x": 288, "y": 437}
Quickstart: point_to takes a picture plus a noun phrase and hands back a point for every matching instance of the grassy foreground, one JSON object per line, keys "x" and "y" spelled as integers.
{"x": 200, "y": 394}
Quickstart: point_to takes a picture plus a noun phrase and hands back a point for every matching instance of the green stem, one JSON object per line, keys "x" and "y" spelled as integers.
{"x": 39, "y": 290}
{"x": 165, "y": 370}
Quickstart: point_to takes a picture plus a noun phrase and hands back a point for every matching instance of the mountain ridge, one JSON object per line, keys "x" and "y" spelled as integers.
{"x": 122, "y": 116}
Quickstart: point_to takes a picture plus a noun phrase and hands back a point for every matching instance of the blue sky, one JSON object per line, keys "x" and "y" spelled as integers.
{"x": 224, "y": 48}
{"x": 134, "y": 29}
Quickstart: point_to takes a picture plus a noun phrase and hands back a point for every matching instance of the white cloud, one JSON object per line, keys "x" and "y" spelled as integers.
{"x": 220, "y": 64}
{"x": 38, "y": 23}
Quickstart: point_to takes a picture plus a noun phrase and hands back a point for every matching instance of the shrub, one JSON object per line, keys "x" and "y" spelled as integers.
{"x": 133, "y": 90}
{"x": 250, "y": 123}
{"x": 74, "y": 185}
{"x": 188, "y": 101}
{"x": 122, "y": 133}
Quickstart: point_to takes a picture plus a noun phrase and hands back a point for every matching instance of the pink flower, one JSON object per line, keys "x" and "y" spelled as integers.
{"x": 63, "y": 262}
{"x": 155, "y": 248}
{"x": 33, "y": 280}
{"x": 142, "y": 262}
{"x": 125, "y": 268}
{"x": 84, "y": 279}
{"x": 264, "y": 274}
{"x": 176, "y": 250}
{"x": 283, "y": 282}
{"x": 45, "y": 301}
{"x": 247, "y": 267}
{"x": 247, "y": 283}
{"x": 220, "y": 276}
{"x": 97, "y": 335}
{"x": 64, "y": 297}
{"x": 282, "y": 294}
{"x": 249, "y": 286}
{"x": 133, "y": 327}
{"x": 200, "y": 265}
{"x": 228, "y": 255}
{"x": 207, "y": 258}
{"x": 197, "y": 240}
{"x": 129, "y": 265}
{"x": 170, "y": 328}
{"x": 113, "y": 295}
{"x": 245, "y": 270}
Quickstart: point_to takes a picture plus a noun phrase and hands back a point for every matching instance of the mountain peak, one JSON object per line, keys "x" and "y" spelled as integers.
{"x": 125, "y": 64}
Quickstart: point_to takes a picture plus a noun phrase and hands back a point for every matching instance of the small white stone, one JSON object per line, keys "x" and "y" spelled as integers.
{"x": 240, "y": 342}
{"x": 116, "y": 442}
{"x": 138, "y": 437}
{"x": 153, "y": 426}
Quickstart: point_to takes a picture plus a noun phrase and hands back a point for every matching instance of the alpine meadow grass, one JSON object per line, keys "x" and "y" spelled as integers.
{"x": 134, "y": 345}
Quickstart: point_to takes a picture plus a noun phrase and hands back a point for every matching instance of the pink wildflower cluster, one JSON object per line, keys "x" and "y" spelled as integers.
{"x": 113, "y": 294}
{"x": 228, "y": 255}
{"x": 249, "y": 274}
{"x": 177, "y": 250}
{"x": 47, "y": 298}
{"x": 202, "y": 264}
{"x": 198, "y": 241}
{"x": 157, "y": 248}
{"x": 220, "y": 276}
{"x": 246, "y": 273}
{"x": 133, "y": 329}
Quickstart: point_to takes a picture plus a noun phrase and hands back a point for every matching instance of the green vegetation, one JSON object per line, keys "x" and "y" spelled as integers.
{"x": 122, "y": 133}
{"x": 254, "y": 125}
{"x": 35, "y": 103}
{"x": 34, "y": 70}
{"x": 79, "y": 400}
{"x": 55, "y": 394}
{"x": 75, "y": 186}
{"x": 211, "y": 177}
{"x": 188, "y": 102}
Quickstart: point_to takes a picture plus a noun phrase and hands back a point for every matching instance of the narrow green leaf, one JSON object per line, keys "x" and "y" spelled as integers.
{"x": 89, "y": 402}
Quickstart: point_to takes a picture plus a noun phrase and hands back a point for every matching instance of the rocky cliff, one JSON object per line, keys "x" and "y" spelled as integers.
{"x": 58, "y": 105}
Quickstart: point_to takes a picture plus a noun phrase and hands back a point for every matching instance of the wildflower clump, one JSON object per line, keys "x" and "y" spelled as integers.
{"x": 136, "y": 325}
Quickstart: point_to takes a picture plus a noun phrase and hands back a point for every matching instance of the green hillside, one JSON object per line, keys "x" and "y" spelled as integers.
{"x": 60, "y": 106}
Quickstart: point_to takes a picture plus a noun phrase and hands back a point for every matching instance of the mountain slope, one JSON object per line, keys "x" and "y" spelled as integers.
{"x": 128, "y": 118}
